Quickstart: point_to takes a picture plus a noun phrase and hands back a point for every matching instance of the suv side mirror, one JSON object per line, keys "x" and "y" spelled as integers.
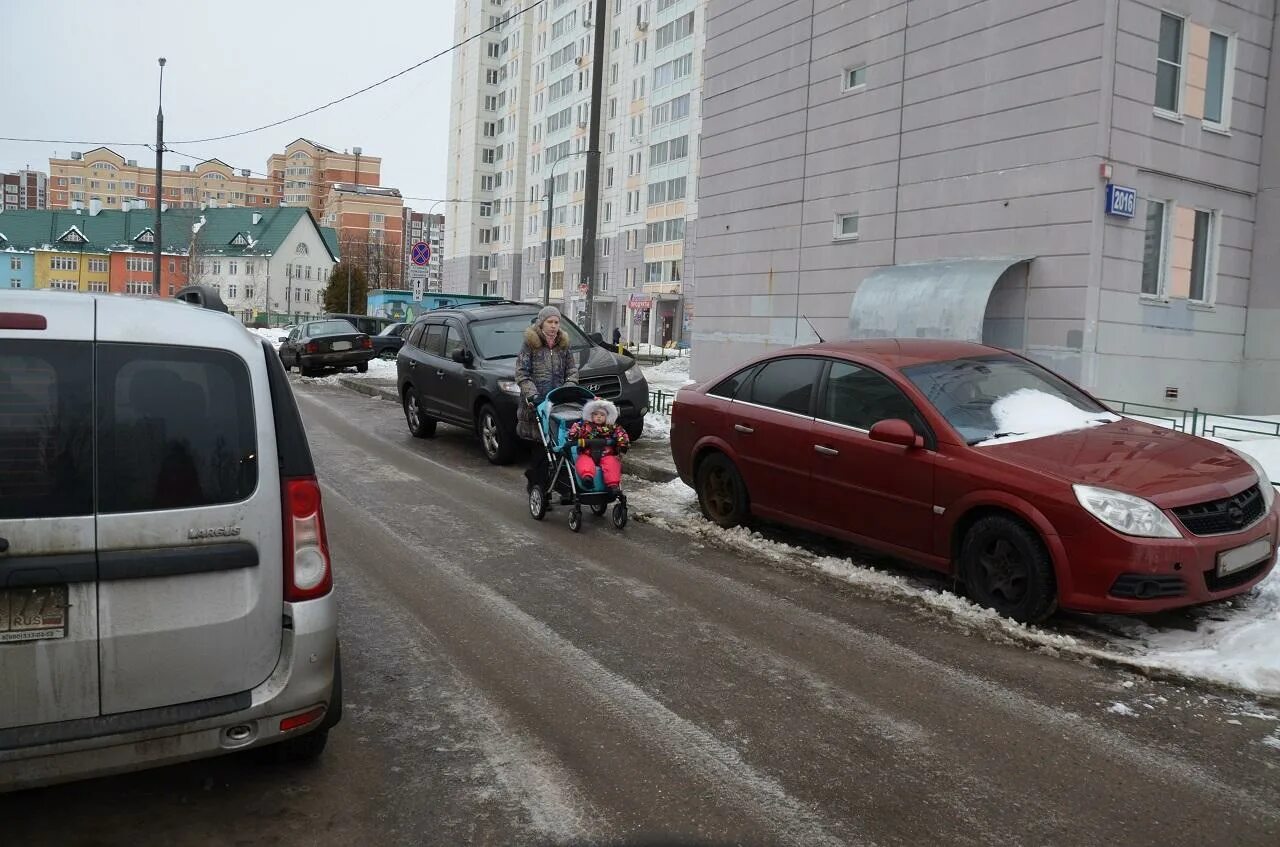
{"x": 463, "y": 356}
{"x": 896, "y": 431}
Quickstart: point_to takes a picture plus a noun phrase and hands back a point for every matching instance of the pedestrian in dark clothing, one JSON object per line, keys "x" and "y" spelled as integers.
{"x": 617, "y": 338}
{"x": 544, "y": 362}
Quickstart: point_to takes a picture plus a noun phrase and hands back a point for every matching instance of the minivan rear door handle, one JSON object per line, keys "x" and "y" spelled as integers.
{"x": 743, "y": 428}
{"x": 826, "y": 451}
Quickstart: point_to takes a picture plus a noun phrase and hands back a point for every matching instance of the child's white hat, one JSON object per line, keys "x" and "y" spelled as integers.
{"x": 592, "y": 406}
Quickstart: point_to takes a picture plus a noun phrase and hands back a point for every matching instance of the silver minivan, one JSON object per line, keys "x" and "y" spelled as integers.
{"x": 166, "y": 590}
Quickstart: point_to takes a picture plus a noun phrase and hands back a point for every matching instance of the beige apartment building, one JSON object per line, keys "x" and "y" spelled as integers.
{"x": 306, "y": 172}
{"x": 115, "y": 182}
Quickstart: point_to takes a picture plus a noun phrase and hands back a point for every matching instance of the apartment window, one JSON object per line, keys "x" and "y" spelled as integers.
{"x": 15, "y": 283}
{"x": 608, "y": 212}
{"x": 486, "y": 183}
{"x": 306, "y": 296}
{"x": 486, "y": 235}
{"x": 855, "y": 77}
{"x": 248, "y": 292}
{"x": 308, "y": 271}
{"x": 490, "y": 129}
{"x": 233, "y": 268}
{"x": 1169, "y": 268}
{"x": 653, "y": 272}
{"x": 1217, "y": 93}
{"x": 231, "y": 291}
{"x": 486, "y": 210}
{"x": 487, "y": 155}
{"x": 98, "y": 266}
{"x": 15, "y": 264}
{"x": 248, "y": 269}
{"x": 64, "y": 263}
{"x": 98, "y": 288}
{"x": 138, "y": 288}
{"x": 846, "y": 226}
{"x": 1169, "y": 64}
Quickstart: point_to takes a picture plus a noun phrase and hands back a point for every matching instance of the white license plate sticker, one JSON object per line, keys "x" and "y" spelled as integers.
{"x": 342, "y": 345}
{"x": 1232, "y": 561}
{"x": 32, "y": 614}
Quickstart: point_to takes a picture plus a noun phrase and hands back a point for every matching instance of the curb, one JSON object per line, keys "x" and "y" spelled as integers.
{"x": 363, "y": 387}
{"x": 646, "y": 470}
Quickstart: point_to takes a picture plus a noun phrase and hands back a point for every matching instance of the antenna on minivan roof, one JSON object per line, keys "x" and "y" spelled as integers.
{"x": 821, "y": 340}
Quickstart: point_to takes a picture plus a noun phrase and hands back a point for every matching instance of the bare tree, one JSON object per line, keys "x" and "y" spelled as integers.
{"x": 382, "y": 263}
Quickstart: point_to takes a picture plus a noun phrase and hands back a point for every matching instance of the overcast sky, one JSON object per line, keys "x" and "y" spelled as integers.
{"x": 87, "y": 71}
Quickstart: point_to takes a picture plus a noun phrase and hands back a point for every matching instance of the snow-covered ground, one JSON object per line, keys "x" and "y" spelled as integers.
{"x": 1233, "y": 643}
{"x": 655, "y": 350}
{"x": 378, "y": 369}
{"x": 271, "y": 335}
{"x": 668, "y": 377}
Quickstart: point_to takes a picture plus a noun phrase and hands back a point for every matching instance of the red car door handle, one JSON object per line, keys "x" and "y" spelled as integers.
{"x": 743, "y": 429}
{"x": 826, "y": 451}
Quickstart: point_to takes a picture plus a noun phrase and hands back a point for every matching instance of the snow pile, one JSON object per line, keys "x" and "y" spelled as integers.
{"x": 271, "y": 335}
{"x": 382, "y": 369}
{"x": 1265, "y": 450}
{"x": 1027, "y": 414}
{"x": 1232, "y": 644}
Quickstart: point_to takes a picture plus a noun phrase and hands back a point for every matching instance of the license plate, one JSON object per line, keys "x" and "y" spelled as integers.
{"x": 342, "y": 345}
{"x": 31, "y": 614}
{"x": 1231, "y": 561}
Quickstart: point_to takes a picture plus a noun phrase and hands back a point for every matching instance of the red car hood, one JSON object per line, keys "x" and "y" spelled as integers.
{"x": 1168, "y": 468}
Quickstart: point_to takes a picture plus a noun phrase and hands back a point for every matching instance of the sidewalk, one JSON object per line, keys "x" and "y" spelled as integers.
{"x": 649, "y": 458}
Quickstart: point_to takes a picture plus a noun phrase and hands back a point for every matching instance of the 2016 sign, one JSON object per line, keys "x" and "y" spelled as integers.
{"x": 1121, "y": 201}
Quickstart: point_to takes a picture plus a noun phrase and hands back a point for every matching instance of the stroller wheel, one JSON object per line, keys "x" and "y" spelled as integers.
{"x": 537, "y": 502}
{"x": 598, "y": 509}
{"x": 620, "y": 515}
{"x": 575, "y": 519}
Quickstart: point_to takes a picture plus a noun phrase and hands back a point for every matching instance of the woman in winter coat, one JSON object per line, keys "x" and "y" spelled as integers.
{"x": 545, "y": 362}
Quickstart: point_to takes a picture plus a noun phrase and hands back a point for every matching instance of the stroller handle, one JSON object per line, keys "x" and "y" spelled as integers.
{"x": 568, "y": 394}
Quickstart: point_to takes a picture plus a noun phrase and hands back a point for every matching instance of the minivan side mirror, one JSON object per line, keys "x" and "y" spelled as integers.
{"x": 463, "y": 356}
{"x": 896, "y": 431}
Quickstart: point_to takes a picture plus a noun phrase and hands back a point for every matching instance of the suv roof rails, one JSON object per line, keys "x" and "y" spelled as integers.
{"x": 475, "y": 304}
{"x": 204, "y": 296}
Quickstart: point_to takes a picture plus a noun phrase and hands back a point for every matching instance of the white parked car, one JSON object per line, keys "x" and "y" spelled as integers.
{"x": 166, "y": 590}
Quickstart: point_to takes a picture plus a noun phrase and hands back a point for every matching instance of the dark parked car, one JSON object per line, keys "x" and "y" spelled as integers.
{"x": 458, "y": 366}
{"x": 367, "y": 324}
{"x": 979, "y": 463}
{"x": 387, "y": 343}
{"x": 328, "y": 343}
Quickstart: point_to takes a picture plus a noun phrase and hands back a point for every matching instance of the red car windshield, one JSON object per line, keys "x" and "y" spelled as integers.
{"x": 965, "y": 390}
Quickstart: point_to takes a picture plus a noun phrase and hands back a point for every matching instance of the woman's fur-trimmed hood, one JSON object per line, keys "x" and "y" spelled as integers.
{"x": 533, "y": 337}
{"x": 610, "y": 411}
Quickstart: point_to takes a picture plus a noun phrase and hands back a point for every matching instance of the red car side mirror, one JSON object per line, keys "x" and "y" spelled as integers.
{"x": 896, "y": 431}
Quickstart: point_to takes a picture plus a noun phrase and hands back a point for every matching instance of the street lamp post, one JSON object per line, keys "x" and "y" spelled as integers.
{"x": 551, "y": 209}
{"x": 159, "y": 245}
{"x": 350, "y": 275}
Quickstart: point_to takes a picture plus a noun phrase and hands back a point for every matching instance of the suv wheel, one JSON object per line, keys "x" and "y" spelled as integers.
{"x": 420, "y": 426}
{"x": 636, "y": 431}
{"x": 722, "y": 495}
{"x": 1006, "y": 568}
{"x": 499, "y": 445}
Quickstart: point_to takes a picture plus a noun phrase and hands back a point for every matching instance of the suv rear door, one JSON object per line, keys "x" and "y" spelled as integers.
{"x": 190, "y": 537}
{"x": 48, "y": 570}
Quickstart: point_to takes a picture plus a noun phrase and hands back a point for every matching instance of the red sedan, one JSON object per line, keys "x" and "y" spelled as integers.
{"x": 978, "y": 462}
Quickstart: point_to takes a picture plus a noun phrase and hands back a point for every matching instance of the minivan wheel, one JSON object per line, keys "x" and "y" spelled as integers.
{"x": 362, "y": 368}
{"x": 420, "y": 426}
{"x": 722, "y": 495}
{"x": 1006, "y": 568}
{"x": 499, "y": 446}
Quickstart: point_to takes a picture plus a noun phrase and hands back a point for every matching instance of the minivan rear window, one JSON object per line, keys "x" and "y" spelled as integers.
{"x": 46, "y": 429}
{"x": 175, "y": 428}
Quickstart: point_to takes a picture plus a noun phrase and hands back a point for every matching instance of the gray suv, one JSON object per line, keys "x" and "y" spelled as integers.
{"x": 459, "y": 366}
{"x": 166, "y": 590}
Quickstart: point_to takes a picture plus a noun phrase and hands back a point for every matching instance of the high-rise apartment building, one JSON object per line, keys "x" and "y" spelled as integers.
{"x": 519, "y": 126}
{"x": 24, "y": 189}
{"x": 306, "y": 171}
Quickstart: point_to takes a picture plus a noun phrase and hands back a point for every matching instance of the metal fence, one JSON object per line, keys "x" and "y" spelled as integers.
{"x": 660, "y": 402}
{"x": 1197, "y": 422}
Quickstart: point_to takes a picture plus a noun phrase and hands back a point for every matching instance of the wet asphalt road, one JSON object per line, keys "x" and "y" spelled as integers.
{"x": 509, "y": 682}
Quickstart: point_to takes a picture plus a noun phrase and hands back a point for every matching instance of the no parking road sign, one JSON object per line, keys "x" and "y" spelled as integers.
{"x": 420, "y": 253}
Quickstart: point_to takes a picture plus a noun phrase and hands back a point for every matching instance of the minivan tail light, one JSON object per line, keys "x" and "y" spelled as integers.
{"x": 23, "y": 320}
{"x": 307, "y": 570}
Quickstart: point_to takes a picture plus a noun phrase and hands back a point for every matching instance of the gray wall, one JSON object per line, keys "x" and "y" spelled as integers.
{"x": 983, "y": 151}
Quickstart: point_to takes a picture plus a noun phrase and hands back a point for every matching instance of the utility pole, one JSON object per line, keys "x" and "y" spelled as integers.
{"x": 159, "y": 244}
{"x": 546, "y": 263}
{"x": 591, "y": 211}
{"x": 350, "y": 275}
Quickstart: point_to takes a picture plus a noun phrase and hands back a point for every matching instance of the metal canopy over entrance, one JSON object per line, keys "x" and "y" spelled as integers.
{"x": 943, "y": 299}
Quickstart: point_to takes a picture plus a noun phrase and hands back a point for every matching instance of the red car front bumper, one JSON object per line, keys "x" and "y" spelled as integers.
{"x": 1109, "y": 572}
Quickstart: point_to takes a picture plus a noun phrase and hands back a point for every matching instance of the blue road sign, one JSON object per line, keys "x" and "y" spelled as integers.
{"x": 420, "y": 253}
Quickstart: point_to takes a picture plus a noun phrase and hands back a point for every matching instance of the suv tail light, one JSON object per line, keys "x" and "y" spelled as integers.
{"x": 307, "y": 571}
{"x": 313, "y": 347}
{"x": 367, "y": 343}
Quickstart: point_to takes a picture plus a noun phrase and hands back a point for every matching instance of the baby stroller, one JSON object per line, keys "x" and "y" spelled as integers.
{"x": 555, "y": 476}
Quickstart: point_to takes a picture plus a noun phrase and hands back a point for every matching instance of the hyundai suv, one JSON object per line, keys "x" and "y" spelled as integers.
{"x": 459, "y": 366}
{"x": 165, "y": 578}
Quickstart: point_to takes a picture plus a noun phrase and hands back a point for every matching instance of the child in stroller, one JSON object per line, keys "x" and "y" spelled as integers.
{"x": 601, "y": 443}
{"x": 567, "y": 466}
